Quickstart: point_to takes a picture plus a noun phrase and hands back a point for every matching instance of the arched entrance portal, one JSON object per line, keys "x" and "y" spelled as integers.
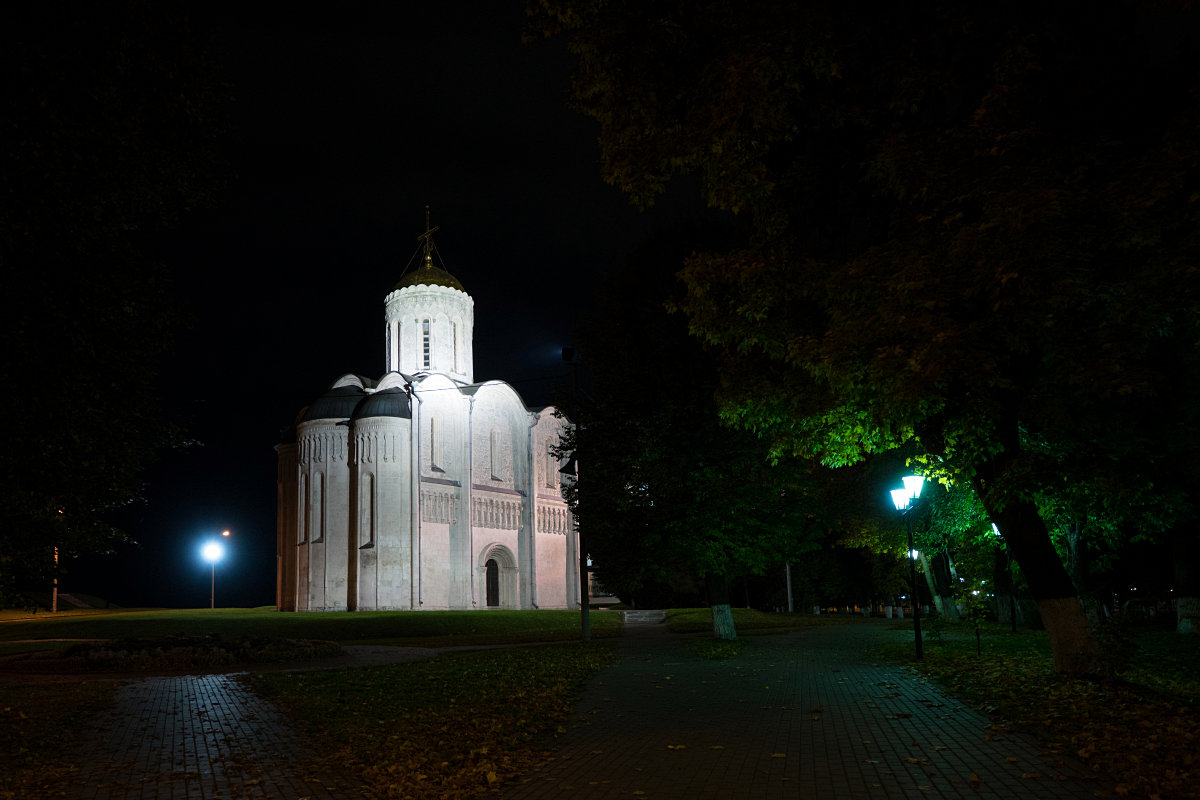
{"x": 497, "y": 584}
{"x": 492, "y": 572}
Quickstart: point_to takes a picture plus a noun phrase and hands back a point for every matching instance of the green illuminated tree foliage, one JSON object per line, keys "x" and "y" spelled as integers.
{"x": 972, "y": 227}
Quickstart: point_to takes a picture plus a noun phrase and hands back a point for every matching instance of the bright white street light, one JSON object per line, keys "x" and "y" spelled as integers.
{"x": 913, "y": 484}
{"x": 903, "y": 498}
{"x": 212, "y": 552}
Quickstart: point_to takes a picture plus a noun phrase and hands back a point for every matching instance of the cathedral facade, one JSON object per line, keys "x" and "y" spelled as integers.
{"x": 424, "y": 489}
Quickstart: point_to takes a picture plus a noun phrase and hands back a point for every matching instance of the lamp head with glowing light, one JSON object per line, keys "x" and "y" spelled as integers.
{"x": 903, "y": 498}
{"x": 212, "y": 552}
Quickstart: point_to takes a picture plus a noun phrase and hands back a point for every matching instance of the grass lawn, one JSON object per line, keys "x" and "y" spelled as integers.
{"x": 1141, "y": 728}
{"x": 410, "y": 628}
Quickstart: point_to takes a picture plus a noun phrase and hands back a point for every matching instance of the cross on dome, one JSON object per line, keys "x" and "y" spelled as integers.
{"x": 426, "y": 240}
{"x": 427, "y": 273}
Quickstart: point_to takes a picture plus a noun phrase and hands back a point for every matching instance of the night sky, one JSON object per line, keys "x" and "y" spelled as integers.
{"x": 343, "y": 128}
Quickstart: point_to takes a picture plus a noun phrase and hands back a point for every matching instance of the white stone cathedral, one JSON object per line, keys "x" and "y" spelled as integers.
{"x": 424, "y": 489}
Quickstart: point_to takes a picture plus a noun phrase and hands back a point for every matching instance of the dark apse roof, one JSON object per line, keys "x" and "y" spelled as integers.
{"x": 391, "y": 402}
{"x": 337, "y": 403}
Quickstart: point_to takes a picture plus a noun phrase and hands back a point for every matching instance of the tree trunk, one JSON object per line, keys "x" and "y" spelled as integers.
{"x": 1005, "y": 591}
{"x": 1185, "y": 553}
{"x": 718, "y": 594}
{"x": 1079, "y": 565}
{"x": 930, "y": 583}
{"x": 937, "y": 579}
{"x": 943, "y": 576}
{"x": 1076, "y": 649}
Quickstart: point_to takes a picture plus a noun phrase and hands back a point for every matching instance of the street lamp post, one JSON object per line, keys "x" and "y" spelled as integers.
{"x": 905, "y": 500}
{"x": 213, "y": 551}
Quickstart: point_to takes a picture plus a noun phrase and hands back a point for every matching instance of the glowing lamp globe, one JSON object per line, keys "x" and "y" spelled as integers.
{"x": 902, "y": 498}
{"x": 913, "y": 484}
{"x": 212, "y": 552}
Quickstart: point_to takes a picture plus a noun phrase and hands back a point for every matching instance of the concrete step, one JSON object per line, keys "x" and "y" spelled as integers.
{"x": 644, "y": 617}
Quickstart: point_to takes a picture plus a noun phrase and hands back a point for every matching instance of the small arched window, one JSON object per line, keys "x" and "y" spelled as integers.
{"x": 425, "y": 343}
{"x": 387, "y": 345}
{"x": 435, "y": 445}
{"x": 551, "y": 465}
{"x": 454, "y": 340}
{"x": 494, "y": 453}
{"x": 305, "y": 511}
{"x": 318, "y": 507}
{"x": 366, "y": 512}
{"x": 394, "y": 332}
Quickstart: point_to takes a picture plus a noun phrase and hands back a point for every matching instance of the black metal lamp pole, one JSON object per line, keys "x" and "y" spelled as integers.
{"x": 905, "y": 500}
{"x": 912, "y": 578}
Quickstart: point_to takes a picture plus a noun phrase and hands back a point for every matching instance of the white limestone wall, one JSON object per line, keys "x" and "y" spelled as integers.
{"x": 552, "y": 587}
{"x": 500, "y": 437}
{"x": 324, "y": 514}
{"x": 556, "y": 543}
{"x": 546, "y": 433}
{"x": 435, "y": 566}
{"x": 381, "y": 514}
{"x": 502, "y": 467}
{"x": 443, "y": 415}
{"x": 451, "y": 314}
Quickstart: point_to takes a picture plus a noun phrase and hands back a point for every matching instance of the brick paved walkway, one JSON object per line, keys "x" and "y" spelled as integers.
{"x": 806, "y": 715}
{"x": 198, "y": 737}
{"x": 201, "y": 737}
